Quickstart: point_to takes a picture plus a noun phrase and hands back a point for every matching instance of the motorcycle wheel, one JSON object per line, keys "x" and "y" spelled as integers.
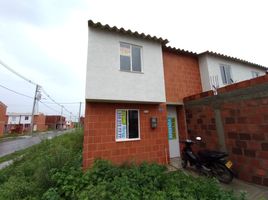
{"x": 184, "y": 163}
{"x": 222, "y": 173}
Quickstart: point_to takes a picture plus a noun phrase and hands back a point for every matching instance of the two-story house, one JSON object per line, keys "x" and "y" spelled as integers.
{"x": 21, "y": 122}
{"x": 218, "y": 70}
{"x": 134, "y": 91}
{"x": 135, "y": 85}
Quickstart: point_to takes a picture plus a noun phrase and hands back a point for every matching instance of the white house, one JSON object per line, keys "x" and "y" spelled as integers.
{"x": 19, "y": 118}
{"x": 218, "y": 70}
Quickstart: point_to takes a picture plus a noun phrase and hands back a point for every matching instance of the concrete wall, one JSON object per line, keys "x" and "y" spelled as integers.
{"x": 236, "y": 121}
{"x": 99, "y": 135}
{"x": 105, "y": 81}
{"x": 210, "y": 66}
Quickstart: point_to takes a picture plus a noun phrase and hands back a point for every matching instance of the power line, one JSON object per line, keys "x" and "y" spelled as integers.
{"x": 55, "y": 101}
{"x": 48, "y": 106}
{"x": 32, "y": 82}
{"x": 16, "y": 92}
{"x": 13, "y": 71}
{"x": 65, "y": 103}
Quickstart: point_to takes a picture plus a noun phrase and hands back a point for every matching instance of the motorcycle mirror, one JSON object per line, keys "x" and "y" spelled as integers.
{"x": 198, "y": 138}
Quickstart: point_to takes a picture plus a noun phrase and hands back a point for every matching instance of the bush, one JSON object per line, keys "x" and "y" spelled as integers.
{"x": 147, "y": 181}
{"x": 52, "y": 171}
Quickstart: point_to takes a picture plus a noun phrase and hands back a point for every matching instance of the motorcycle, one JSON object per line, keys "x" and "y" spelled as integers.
{"x": 210, "y": 163}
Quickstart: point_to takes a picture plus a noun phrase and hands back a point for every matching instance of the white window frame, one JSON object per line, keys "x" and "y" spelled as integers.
{"x": 127, "y": 139}
{"x": 131, "y": 70}
{"x": 255, "y": 74}
{"x": 231, "y": 75}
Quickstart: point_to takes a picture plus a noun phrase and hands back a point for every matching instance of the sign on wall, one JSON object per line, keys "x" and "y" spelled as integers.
{"x": 171, "y": 122}
{"x": 121, "y": 117}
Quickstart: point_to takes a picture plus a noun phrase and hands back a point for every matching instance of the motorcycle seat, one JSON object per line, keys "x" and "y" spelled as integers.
{"x": 212, "y": 154}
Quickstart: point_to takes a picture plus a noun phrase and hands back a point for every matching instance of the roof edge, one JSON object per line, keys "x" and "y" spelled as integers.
{"x": 121, "y": 30}
{"x": 179, "y": 51}
{"x": 232, "y": 58}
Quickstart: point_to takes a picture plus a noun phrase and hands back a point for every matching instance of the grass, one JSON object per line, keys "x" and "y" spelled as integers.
{"x": 28, "y": 177}
{"x": 52, "y": 170}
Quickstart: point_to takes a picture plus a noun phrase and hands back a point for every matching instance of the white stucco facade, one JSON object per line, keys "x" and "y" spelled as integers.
{"x": 19, "y": 118}
{"x": 105, "y": 81}
{"x": 210, "y": 72}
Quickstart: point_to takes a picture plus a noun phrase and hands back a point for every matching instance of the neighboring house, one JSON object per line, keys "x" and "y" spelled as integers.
{"x": 40, "y": 123}
{"x": 69, "y": 124}
{"x": 55, "y": 122}
{"x": 134, "y": 91}
{"x": 3, "y": 109}
{"x": 218, "y": 70}
{"x": 21, "y": 122}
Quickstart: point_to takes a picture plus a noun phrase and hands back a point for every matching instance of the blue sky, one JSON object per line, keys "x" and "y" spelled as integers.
{"x": 46, "y": 40}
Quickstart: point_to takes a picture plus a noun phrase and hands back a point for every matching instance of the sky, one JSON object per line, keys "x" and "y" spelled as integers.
{"x": 46, "y": 40}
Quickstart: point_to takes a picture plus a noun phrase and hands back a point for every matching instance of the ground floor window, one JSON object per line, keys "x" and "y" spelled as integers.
{"x": 127, "y": 124}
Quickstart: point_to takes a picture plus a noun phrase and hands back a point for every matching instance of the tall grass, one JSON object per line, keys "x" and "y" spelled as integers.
{"x": 29, "y": 178}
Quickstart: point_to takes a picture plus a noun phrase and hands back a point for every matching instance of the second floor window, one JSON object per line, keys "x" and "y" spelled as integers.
{"x": 26, "y": 118}
{"x": 226, "y": 74}
{"x": 130, "y": 57}
{"x": 255, "y": 74}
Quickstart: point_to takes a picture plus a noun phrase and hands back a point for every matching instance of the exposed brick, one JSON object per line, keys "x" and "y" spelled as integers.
{"x": 233, "y": 135}
{"x": 241, "y": 144}
{"x": 182, "y": 76}
{"x": 258, "y": 137}
{"x": 264, "y": 146}
{"x": 249, "y": 152}
{"x": 212, "y": 127}
{"x": 257, "y": 180}
{"x": 265, "y": 181}
{"x": 242, "y": 120}
{"x": 261, "y": 172}
{"x": 229, "y": 120}
{"x": 244, "y": 136}
{"x": 199, "y": 121}
{"x": 237, "y": 151}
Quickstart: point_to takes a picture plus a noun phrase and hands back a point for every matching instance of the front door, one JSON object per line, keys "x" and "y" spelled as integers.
{"x": 173, "y": 136}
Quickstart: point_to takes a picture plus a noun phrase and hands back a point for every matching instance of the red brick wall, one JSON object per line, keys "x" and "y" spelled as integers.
{"x": 244, "y": 115}
{"x": 182, "y": 76}
{"x": 2, "y": 118}
{"x": 201, "y": 122}
{"x": 99, "y": 135}
{"x": 40, "y": 121}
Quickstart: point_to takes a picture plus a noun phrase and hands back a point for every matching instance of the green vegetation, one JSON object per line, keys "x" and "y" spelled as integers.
{"x": 52, "y": 171}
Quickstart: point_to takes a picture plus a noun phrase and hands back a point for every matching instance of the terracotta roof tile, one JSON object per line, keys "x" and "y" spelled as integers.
{"x": 127, "y": 32}
{"x": 232, "y": 59}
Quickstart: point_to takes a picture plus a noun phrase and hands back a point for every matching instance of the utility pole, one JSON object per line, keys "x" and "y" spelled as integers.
{"x": 34, "y": 103}
{"x": 79, "y": 115}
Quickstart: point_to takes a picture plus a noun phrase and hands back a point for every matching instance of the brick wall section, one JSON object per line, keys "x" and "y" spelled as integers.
{"x": 2, "y": 118}
{"x": 40, "y": 121}
{"x": 99, "y": 135}
{"x": 54, "y": 121}
{"x": 201, "y": 122}
{"x": 182, "y": 76}
{"x": 244, "y": 116}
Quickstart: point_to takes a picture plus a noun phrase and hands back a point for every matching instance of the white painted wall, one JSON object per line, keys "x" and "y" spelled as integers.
{"x": 210, "y": 66}
{"x": 105, "y": 81}
{"x": 19, "y": 119}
